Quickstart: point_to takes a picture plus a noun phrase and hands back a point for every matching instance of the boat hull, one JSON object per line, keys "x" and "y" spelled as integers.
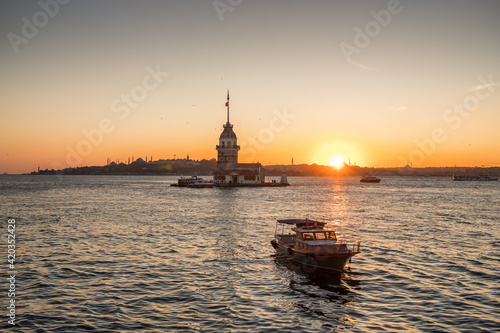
{"x": 333, "y": 262}
{"x": 252, "y": 185}
{"x": 370, "y": 180}
{"x": 200, "y": 185}
{"x": 474, "y": 178}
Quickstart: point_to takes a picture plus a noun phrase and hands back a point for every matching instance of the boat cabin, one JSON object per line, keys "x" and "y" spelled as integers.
{"x": 310, "y": 236}
{"x": 316, "y": 234}
{"x": 316, "y": 240}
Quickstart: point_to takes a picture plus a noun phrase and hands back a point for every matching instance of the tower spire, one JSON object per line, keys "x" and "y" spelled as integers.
{"x": 227, "y": 104}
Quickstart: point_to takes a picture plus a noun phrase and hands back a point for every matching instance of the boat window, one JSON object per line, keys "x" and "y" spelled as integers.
{"x": 308, "y": 236}
{"x": 320, "y": 235}
{"x": 331, "y": 235}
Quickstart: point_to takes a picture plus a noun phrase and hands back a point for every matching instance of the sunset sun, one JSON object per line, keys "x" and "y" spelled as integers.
{"x": 336, "y": 161}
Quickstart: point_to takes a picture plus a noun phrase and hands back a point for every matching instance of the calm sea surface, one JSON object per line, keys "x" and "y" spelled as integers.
{"x": 123, "y": 254}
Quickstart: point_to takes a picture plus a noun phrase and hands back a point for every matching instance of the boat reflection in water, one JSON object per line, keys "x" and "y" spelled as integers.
{"x": 319, "y": 277}
{"x": 309, "y": 289}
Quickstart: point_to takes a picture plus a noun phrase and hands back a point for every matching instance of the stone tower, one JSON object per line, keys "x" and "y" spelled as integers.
{"x": 227, "y": 149}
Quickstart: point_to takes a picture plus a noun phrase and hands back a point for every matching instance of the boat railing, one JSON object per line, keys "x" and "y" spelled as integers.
{"x": 286, "y": 239}
{"x": 341, "y": 246}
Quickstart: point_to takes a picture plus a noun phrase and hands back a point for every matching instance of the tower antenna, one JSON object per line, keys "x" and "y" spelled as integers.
{"x": 227, "y": 104}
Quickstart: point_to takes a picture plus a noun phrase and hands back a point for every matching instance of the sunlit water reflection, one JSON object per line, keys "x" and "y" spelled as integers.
{"x": 134, "y": 254}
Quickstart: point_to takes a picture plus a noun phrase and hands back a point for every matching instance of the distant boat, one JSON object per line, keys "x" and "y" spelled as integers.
{"x": 185, "y": 181}
{"x": 474, "y": 177}
{"x": 313, "y": 245}
{"x": 201, "y": 183}
{"x": 370, "y": 179}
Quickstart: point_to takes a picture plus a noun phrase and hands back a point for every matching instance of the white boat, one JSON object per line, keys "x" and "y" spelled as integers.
{"x": 185, "y": 181}
{"x": 314, "y": 245}
{"x": 201, "y": 183}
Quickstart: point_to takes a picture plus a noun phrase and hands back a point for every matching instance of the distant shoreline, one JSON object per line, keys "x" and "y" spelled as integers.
{"x": 207, "y": 167}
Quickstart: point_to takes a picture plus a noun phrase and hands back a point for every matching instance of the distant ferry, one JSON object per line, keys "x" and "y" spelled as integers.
{"x": 370, "y": 179}
{"x": 185, "y": 181}
{"x": 201, "y": 183}
{"x": 478, "y": 177}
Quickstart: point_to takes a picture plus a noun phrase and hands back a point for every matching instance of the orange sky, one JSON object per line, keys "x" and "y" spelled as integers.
{"x": 307, "y": 82}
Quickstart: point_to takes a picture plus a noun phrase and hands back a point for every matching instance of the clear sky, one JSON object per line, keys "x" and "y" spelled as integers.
{"x": 379, "y": 83}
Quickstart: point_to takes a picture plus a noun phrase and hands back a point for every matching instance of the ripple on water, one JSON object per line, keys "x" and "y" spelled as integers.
{"x": 115, "y": 254}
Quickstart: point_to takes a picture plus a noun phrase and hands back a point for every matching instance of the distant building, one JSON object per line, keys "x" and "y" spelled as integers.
{"x": 229, "y": 171}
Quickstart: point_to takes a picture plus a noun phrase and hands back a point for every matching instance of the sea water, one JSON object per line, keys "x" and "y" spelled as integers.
{"x": 131, "y": 253}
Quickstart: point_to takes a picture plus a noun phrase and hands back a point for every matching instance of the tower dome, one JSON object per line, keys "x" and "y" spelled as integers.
{"x": 227, "y": 149}
{"x": 228, "y": 132}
